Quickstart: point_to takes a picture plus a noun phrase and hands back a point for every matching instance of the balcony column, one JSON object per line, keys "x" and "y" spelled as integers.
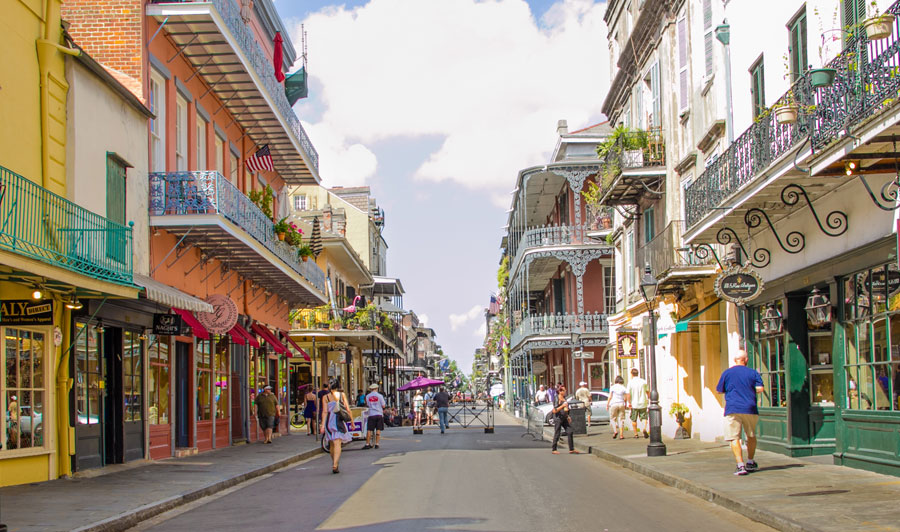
{"x": 575, "y": 176}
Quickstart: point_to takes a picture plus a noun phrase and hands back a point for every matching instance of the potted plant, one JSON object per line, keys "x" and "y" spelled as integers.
{"x": 282, "y": 228}
{"x": 679, "y": 410}
{"x": 824, "y": 76}
{"x": 305, "y": 252}
{"x": 878, "y": 26}
{"x": 786, "y": 110}
{"x": 263, "y": 199}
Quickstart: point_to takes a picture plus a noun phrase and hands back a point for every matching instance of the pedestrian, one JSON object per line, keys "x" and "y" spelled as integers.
{"x": 266, "y": 410}
{"x": 309, "y": 410}
{"x": 429, "y": 407}
{"x": 551, "y": 394}
{"x": 333, "y": 427}
{"x": 418, "y": 406}
{"x": 638, "y": 401}
{"x": 375, "y": 418}
{"x": 360, "y": 398}
{"x": 442, "y": 402}
{"x": 541, "y": 396}
{"x": 616, "y": 406}
{"x": 583, "y": 394}
{"x": 741, "y": 385}
{"x": 561, "y": 411}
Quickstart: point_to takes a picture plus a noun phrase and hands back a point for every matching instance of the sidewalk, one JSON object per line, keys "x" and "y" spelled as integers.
{"x": 790, "y": 494}
{"x": 121, "y": 499}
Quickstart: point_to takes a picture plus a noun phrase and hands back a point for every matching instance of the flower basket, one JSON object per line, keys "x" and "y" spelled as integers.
{"x": 822, "y": 77}
{"x": 879, "y": 27}
{"x": 786, "y": 114}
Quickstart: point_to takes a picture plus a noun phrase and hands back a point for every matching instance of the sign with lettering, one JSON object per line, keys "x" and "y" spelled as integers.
{"x": 739, "y": 285}
{"x": 222, "y": 318}
{"x": 626, "y": 345}
{"x": 167, "y": 324}
{"x": 26, "y": 312}
{"x": 584, "y": 355}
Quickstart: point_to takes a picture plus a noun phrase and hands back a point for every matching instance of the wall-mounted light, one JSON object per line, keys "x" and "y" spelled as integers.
{"x": 100, "y": 328}
{"x": 772, "y": 320}
{"x": 851, "y": 166}
{"x": 74, "y": 304}
{"x": 143, "y": 336}
{"x": 37, "y": 293}
{"x": 818, "y": 308}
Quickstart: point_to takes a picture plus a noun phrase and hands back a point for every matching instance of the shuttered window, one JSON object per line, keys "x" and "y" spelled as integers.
{"x": 649, "y": 227}
{"x": 708, "y": 36}
{"x": 757, "y": 88}
{"x": 683, "y": 88}
{"x": 853, "y": 13}
{"x": 797, "y": 46}
{"x": 115, "y": 207}
{"x": 656, "y": 119}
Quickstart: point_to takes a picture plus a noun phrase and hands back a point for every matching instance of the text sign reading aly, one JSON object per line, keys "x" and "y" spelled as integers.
{"x": 26, "y": 312}
{"x": 738, "y": 285}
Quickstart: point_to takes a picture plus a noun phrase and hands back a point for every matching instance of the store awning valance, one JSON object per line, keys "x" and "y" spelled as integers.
{"x": 270, "y": 339}
{"x": 683, "y": 323}
{"x": 247, "y": 336}
{"x": 297, "y": 347}
{"x": 171, "y": 297}
{"x": 188, "y": 317}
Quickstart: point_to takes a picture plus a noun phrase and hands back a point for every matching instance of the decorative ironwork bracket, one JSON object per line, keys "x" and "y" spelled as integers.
{"x": 795, "y": 241}
{"x": 836, "y": 220}
{"x": 625, "y": 213}
{"x": 760, "y": 256}
{"x": 889, "y": 192}
{"x": 703, "y": 251}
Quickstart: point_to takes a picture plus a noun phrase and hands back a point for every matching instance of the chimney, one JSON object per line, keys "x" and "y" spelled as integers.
{"x": 562, "y": 127}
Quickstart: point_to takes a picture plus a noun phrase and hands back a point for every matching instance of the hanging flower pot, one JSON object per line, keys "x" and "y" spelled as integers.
{"x": 786, "y": 114}
{"x": 281, "y": 236}
{"x": 822, "y": 77}
{"x": 879, "y": 27}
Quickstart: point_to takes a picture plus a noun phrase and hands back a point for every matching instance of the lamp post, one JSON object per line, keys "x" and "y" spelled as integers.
{"x": 656, "y": 447}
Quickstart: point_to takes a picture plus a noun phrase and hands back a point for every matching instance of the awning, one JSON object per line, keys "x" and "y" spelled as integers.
{"x": 297, "y": 347}
{"x": 236, "y": 337}
{"x": 171, "y": 297}
{"x": 198, "y": 329}
{"x": 682, "y": 324}
{"x": 247, "y": 336}
{"x": 388, "y": 306}
{"x": 270, "y": 339}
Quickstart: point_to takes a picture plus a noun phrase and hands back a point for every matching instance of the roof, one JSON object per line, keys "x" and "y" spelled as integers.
{"x": 389, "y": 281}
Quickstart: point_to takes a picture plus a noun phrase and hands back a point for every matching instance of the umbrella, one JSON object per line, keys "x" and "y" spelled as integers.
{"x": 278, "y": 57}
{"x": 420, "y": 382}
{"x": 315, "y": 238}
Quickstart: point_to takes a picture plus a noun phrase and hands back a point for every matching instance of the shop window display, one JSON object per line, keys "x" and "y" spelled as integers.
{"x": 158, "y": 396}
{"x": 132, "y": 373}
{"x": 204, "y": 380}
{"x": 768, "y": 358}
{"x": 24, "y": 389}
{"x": 221, "y": 369}
{"x": 88, "y": 374}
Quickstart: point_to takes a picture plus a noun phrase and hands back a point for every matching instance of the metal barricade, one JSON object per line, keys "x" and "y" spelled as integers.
{"x": 469, "y": 413}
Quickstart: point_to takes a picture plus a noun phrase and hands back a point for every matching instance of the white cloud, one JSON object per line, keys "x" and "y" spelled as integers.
{"x": 480, "y": 331}
{"x": 481, "y": 74}
{"x": 423, "y": 320}
{"x": 458, "y": 320}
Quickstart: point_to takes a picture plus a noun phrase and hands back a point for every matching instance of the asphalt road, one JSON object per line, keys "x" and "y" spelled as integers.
{"x": 464, "y": 480}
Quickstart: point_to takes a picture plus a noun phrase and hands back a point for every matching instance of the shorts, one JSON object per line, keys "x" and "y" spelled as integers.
{"x": 266, "y": 422}
{"x": 735, "y": 422}
{"x": 638, "y": 414}
{"x": 374, "y": 423}
{"x": 616, "y": 413}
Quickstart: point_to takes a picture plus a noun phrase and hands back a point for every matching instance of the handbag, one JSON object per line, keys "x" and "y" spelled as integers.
{"x": 342, "y": 412}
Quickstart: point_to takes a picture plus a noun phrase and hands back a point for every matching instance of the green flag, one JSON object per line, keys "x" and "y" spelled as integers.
{"x": 295, "y": 86}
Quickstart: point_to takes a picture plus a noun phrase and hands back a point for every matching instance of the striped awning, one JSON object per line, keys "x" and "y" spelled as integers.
{"x": 171, "y": 297}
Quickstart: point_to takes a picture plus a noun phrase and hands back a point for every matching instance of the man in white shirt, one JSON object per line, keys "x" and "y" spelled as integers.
{"x": 375, "y": 419}
{"x": 583, "y": 394}
{"x": 541, "y": 396}
{"x": 639, "y": 400}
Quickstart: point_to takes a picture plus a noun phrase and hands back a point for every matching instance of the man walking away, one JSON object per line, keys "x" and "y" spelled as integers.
{"x": 741, "y": 385}
{"x": 639, "y": 400}
{"x": 375, "y": 421}
{"x": 266, "y": 408}
{"x": 561, "y": 411}
{"x": 442, "y": 401}
{"x": 584, "y": 395}
{"x": 541, "y": 397}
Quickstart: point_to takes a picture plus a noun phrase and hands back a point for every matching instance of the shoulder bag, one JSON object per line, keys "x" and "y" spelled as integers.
{"x": 342, "y": 412}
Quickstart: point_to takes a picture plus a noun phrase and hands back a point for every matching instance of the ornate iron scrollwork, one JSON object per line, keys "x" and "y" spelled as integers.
{"x": 889, "y": 192}
{"x": 795, "y": 240}
{"x": 703, "y": 251}
{"x": 836, "y": 220}
{"x": 760, "y": 256}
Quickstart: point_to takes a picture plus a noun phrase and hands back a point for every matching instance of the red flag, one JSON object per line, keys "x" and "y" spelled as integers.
{"x": 279, "y": 57}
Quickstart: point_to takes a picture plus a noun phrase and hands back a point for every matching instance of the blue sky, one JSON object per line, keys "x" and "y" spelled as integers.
{"x": 437, "y": 104}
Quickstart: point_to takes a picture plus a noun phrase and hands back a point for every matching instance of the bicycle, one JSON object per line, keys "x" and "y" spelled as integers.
{"x": 297, "y": 420}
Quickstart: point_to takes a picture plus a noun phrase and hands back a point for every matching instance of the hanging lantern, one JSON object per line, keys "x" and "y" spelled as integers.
{"x": 818, "y": 308}
{"x": 771, "y": 320}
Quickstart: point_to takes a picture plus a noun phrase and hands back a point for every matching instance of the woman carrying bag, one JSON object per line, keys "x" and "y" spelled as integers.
{"x": 334, "y": 428}
{"x": 561, "y": 411}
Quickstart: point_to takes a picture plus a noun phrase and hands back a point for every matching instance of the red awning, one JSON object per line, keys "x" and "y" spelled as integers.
{"x": 243, "y": 332}
{"x": 270, "y": 339}
{"x": 198, "y": 329}
{"x": 297, "y": 347}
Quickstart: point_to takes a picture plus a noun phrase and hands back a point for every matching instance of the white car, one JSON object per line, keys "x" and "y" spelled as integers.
{"x": 598, "y": 408}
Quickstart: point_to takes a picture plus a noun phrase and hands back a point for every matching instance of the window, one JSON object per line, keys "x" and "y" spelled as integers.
{"x": 181, "y": 141}
{"x": 652, "y": 82}
{"x": 562, "y": 202}
{"x": 708, "y": 36}
{"x": 609, "y": 289}
{"x": 872, "y": 310}
{"x": 201, "y": 143}
{"x": 88, "y": 374}
{"x": 220, "y": 155}
{"x": 683, "y": 81}
{"x": 649, "y": 227}
{"x": 629, "y": 262}
{"x": 117, "y": 235}
{"x": 233, "y": 169}
{"x": 853, "y": 13}
{"x": 757, "y": 88}
{"x": 158, "y": 394}
{"x": 203, "y": 356}
{"x": 638, "y": 101}
{"x": 797, "y": 51}
{"x": 157, "y": 125}
{"x": 132, "y": 375}
{"x": 768, "y": 359}
{"x": 24, "y": 390}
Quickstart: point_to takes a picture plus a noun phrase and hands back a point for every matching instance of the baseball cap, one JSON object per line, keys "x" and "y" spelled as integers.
{"x": 267, "y": 388}
{"x": 373, "y": 386}
{"x": 582, "y": 383}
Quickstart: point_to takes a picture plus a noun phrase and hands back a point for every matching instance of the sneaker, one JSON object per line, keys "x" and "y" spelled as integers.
{"x": 646, "y": 434}
{"x": 751, "y": 466}
{"x": 367, "y": 446}
{"x": 376, "y": 445}
{"x": 740, "y": 470}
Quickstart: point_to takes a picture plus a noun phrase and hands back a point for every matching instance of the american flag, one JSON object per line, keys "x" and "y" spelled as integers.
{"x": 261, "y": 160}
{"x": 494, "y": 307}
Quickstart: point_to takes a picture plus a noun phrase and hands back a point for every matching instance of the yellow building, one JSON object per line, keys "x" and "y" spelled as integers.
{"x": 53, "y": 252}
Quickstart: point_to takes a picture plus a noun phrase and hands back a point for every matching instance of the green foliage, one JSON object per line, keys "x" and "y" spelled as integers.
{"x": 678, "y": 408}
{"x": 592, "y": 193}
{"x": 293, "y": 238}
{"x": 304, "y": 251}
{"x": 263, "y": 199}
{"x": 282, "y": 226}
{"x": 610, "y": 150}
{"x": 503, "y": 273}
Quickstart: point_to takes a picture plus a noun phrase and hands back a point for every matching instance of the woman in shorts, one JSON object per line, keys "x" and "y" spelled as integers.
{"x": 616, "y": 406}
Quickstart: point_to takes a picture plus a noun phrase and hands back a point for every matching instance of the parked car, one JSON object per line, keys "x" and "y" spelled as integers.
{"x": 598, "y": 408}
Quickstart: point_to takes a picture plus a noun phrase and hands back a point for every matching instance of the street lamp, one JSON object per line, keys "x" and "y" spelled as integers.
{"x": 649, "y": 289}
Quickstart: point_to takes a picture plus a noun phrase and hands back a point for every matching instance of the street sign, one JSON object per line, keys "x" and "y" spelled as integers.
{"x": 583, "y": 355}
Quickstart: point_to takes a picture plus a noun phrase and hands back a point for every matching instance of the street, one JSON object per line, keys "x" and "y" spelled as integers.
{"x": 464, "y": 480}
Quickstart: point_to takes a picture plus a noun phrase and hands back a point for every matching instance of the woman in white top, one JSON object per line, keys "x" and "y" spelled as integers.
{"x": 334, "y": 430}
{"x": 418, "y": 407}
{"x": 616, "y": 406}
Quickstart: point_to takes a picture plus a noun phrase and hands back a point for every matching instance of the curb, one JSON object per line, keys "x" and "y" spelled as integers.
{"x": 772, "y": 519}
{"x": 133, "y": 517}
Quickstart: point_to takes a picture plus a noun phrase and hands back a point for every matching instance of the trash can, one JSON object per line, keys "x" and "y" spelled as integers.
{"x": 579, "y": 420}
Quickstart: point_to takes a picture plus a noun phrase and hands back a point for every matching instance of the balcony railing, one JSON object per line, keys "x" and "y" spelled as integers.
{"x": 867, "y": 81}
{"x": 665, "y": 253}
{"x": 41, "y": 225}
{"x": 230, "y": 12}
{"x": 558, "y": 324}
{"x": 635, "y": 149}
{"x": 325, "y": 318}
{"x": 549, "y": 236}
{"x": 208, "y": 192}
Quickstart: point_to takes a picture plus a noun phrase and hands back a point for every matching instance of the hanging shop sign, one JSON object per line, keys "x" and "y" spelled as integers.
{"x": 167, "y": 324}
{"x": 538, "y": 367}
{"x": 583, "y": 355}
{"x": 26, "y": 312}
{"x": 223, "y": 317}
{"x": 739, "y": 285}
{"x": 626, "y": 345}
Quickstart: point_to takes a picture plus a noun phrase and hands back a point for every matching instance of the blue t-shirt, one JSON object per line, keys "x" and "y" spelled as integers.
{"x": 739, "y": 384}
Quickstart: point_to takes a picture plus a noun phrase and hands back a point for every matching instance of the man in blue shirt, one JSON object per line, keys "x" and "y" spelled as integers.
{"x": 740, "y": 385}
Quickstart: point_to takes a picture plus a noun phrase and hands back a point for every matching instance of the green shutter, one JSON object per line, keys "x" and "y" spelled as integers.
{"x": 853, "y": 12}
{"x": 115, "y": 208}
{"x": 797, "y": 47}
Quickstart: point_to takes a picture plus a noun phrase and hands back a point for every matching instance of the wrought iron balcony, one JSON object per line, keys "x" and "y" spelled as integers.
{"x": 214, "y": 38}
{"x": 546, "y": 325}
{"x": 866, "y": 83}
{"x": 669, "y": 260}
{"x": 209, "y": 211}
{"x": 634, "y": 165}
{"x": 552, "y": 236}
{"x": 41, "y": 225}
